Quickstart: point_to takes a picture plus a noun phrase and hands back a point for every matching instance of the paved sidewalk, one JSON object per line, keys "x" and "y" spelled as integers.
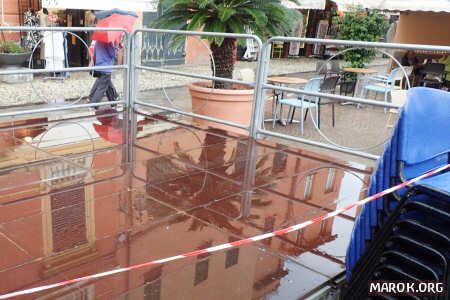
{"x": 43, "y": 90}
{"x": 355, "y": 128}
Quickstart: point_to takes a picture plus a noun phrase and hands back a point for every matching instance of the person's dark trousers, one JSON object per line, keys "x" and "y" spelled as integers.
{"x": 112, "y": 94}
{"x": 101, "y": 85}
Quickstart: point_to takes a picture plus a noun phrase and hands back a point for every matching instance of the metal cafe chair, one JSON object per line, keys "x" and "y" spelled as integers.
{"x": 335, "y": 67}
{"x": 321, "y": 68}
{"x": 385, "y": 85}
{"x": 303, "y": 102}
{"x": 433, "y": 75}
{"x": 277, "y": 49}
{"x": 328, "y": 86}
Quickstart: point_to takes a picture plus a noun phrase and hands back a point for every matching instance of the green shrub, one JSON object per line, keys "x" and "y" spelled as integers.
{"x": 10, "y": 47}
{"x": 359, "y": 25}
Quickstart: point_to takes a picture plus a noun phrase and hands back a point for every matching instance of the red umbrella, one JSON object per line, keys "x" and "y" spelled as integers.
{"x": 109, "y": 133}
{"x": 114, "y": 21}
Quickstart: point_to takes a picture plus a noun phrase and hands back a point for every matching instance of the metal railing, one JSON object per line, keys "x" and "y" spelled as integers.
{"x": 125, "y": 66}
{"x": 263, "y": 85}
{"x": 131, "y": 67}
{"x": 136, "y": 67}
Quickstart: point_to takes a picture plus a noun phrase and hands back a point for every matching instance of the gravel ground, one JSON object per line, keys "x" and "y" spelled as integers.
{"x": 77, "y": 85}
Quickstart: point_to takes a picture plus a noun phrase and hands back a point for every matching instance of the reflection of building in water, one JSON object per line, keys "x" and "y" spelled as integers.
{"x": 316, "y": 188}
{"x": 62, "y": 222}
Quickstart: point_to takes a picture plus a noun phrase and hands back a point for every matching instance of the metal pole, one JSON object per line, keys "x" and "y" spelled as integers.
{"x": 260, "y": 99}
{"x": 318, "y": 144}
{"x": 134, "y": 62}
{"x": 249, "y": 178}
{"x": 62, "y": 108}
{"x": 331, "y": 96}
{"x": 192, "y": 115}
{"x": 362, "y": 44}
{"x": 194, "y": 75}
{"x": 126, "y": 106}
{"x": 72, "y": 69}
{"x": 256, "y": 96}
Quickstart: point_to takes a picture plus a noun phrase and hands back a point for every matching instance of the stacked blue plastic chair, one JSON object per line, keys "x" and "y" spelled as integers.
{"x": 420, "y": 142}
{"x": 412, "y": 244}
{"x": 426, "y": 123}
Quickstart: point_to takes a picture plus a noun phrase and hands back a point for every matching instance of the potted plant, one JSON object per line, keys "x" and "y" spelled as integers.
{"x": 263, "y": 17}
{"x": 12, "y": 55}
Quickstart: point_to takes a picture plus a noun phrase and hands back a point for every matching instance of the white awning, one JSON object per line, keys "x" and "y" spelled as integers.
{"x": 306, "y": 4}
{"x": 130, "y": 5}
{"x": 397, "y": 5}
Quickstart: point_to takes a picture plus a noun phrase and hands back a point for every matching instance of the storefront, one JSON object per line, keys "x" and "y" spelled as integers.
{"x": 420, "y": 22}
{"x": 316, "y": 22}
{"x": 80, "y": 13}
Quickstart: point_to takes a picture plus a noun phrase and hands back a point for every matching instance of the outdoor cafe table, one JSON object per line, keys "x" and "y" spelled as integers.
{"x": 282, "y": 80}
{"x": 360, "y": 72}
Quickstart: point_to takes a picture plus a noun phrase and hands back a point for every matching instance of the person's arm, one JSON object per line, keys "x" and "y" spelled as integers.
{"x": 112, "y": 50}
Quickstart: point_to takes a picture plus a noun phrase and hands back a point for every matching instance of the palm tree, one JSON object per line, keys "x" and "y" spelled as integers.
{"x": 262, "y": 17}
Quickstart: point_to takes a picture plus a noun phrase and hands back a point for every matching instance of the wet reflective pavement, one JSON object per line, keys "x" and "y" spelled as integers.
{"x": 73, "y": 203}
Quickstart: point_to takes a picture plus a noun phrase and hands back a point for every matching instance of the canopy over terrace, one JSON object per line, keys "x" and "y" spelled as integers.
{"x": 397, "y": 5}
{"x": 306, "y": 4}
{"x": 420, "y": 21}
{"x": 131, "y": 5}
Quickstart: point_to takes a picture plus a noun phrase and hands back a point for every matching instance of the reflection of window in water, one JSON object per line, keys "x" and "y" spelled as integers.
{"x": 326, "y": 227}
{"x": 279, "y": 162}
{"x": 241, "y": 152}
{"x": 232, "y": 258}
{"x": 308, "y": 185}
{"x": 78, "y": 293}
{"x": 152, "y": 288}
{"x": 201, "y": 271}
{"x": 330, "y": 180}
{"x": 68, "y": 218}
{"x": 152, "y": 291}
{"x": 269, "y": 223}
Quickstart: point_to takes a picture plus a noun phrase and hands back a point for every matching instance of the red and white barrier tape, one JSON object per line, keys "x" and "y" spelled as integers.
{"x": 227, "y": 245}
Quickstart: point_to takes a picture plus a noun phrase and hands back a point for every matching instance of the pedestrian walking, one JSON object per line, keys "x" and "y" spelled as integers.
{"x": 104, "y": 55}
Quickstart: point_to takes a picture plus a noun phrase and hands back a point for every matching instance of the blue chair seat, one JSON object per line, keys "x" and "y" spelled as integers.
{"x": 375, "y": 88}
{"x": 386, "y": 83}
{"x": 420, "y": 142}
{"x": 313, "y": 85}
{"x": 297, "y": 102}
{"x": 440, "y": 182}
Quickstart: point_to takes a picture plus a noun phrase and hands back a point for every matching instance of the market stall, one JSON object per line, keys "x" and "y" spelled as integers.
{"x": 316, "y": 22}
{"x": 81, "y": 14}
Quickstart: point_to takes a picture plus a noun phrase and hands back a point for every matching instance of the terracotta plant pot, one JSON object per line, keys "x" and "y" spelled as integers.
{"x": 230, "y": 105}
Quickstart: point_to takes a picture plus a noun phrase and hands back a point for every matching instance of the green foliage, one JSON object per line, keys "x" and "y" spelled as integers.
{"x": 263, "y": 17}
{"x": 360, "y": 26}
{"x": 10, "y": 47}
